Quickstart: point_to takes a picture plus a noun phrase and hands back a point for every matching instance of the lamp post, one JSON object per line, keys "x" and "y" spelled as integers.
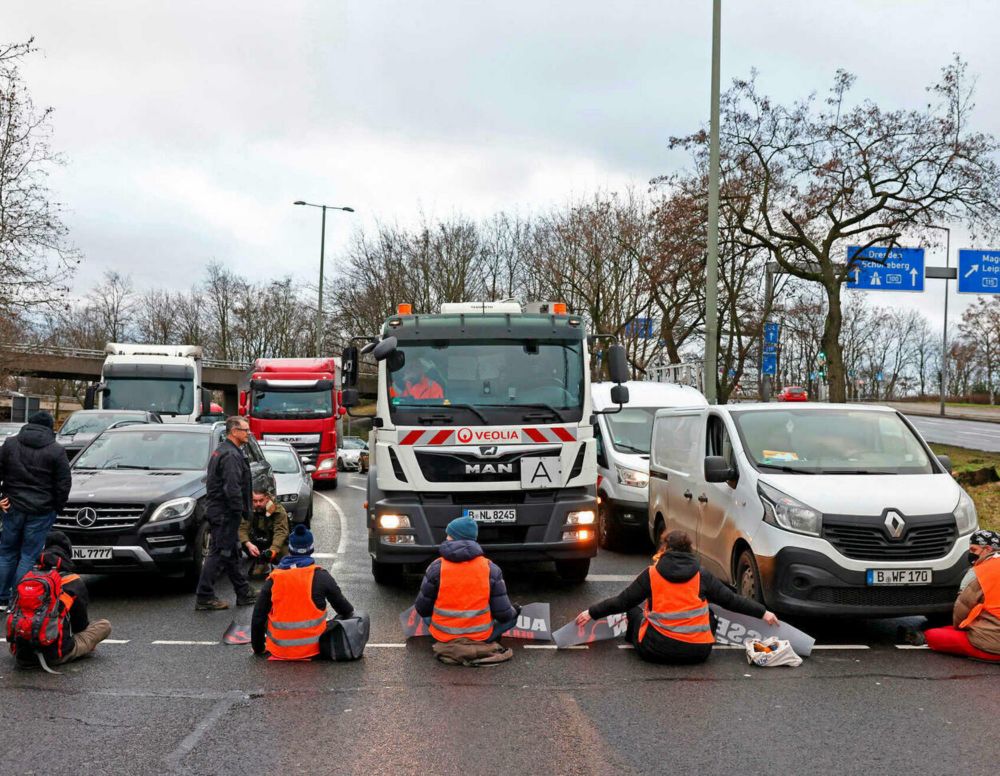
{"x": 944, "y": 331}
{"x": 712, "y": 263}
{"x": 322, "y": 251}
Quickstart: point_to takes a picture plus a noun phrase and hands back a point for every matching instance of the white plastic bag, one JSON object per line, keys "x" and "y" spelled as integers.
{"x": 771, "y": 652}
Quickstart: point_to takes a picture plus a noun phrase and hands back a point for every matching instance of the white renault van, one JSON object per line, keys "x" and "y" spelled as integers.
{"x": 813, "y": 508}
{"x": 623, "y": 454}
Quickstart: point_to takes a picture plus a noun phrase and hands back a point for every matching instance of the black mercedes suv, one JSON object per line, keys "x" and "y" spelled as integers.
{"x": 138, "y": 498}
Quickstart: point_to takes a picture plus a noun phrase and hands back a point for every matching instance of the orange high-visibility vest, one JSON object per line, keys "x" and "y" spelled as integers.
{"x": 462, "y": 608}
{"x": 677, "y": 610}
{"x": 988, "y": 574}
{"x": 294, "y": 624}
{"x": 425, "y": 389}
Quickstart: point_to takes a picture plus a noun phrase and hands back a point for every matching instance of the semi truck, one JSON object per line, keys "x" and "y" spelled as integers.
{"x": 483, "y": 410}
{"x": 165, "y": 379}
{"x": 295, "y": 400}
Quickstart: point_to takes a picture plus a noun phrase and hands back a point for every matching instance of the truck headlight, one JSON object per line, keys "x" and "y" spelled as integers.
{"x": 327, "y": 463}
{"x": 392, "y": 522}
{"x": 783, "y": 511}
{"x": 632, "y": 478}
{"x": 965, "y": 514}
{"x": 175, "y": 509}
{"x": 584, "y": 517}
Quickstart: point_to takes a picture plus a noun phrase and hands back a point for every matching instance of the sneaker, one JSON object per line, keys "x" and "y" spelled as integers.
{"x": 212, "y": 604}
{"x": 247, "y": 600}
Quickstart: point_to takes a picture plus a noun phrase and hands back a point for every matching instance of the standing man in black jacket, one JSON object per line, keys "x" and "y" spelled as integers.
{"x": 35, "y": 480}
{"x": 228, "y": 502}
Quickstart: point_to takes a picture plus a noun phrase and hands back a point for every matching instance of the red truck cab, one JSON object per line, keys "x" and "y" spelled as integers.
{"x": 295, "y": 400}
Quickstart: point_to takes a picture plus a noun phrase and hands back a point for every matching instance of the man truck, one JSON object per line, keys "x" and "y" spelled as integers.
{"x": 483, "y": 410}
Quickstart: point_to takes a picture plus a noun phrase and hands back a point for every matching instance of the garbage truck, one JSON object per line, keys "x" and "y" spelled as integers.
{"x": 483, "y": 410}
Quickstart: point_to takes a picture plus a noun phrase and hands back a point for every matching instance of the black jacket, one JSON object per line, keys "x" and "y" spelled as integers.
{"x": 78, "y": 618}
{"x": 457, "y": 551}
{"x": 34, "y": 471}
{"x": 324, "y": 588}
{"x": 229, "y": 495}
{"x": 674, "y": 567}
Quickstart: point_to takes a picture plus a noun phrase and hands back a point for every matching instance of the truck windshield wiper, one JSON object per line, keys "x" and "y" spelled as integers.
{"x": 436, "y": 407}
{"x": 632, "y": 449}
{"x": 547, "y": 407}
{"x": 788, "y": 469}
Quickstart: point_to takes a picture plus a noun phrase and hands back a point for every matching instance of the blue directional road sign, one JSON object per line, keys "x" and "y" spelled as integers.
{"x": 769, "y": 363}
{"x": 771, "y": 332}
{"x": 641, "y": 327}
{"x": 978, "y": 272}
{"x": 879, "y": 269}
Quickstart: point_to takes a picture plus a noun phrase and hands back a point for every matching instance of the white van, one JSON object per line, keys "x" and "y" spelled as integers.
{"x": 623, "y": 454}
{"x": 814, "y": 508}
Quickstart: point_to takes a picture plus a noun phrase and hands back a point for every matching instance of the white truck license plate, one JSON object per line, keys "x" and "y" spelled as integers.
{"x": 491, "y": 515}
{"x": 899, "y": 576}
{"x": 91, "y": 553}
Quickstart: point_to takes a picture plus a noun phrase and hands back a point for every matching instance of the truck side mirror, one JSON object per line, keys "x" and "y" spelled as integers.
{"x": 619, "y": 394}
{"x": 717, "y": 469}
{"x": 90, "y": 397}
{"x": 350, "y": 398}
{"x": 617, "y": 364}
{"x": 349, "y": 367}
{"x": 243, "y": 403}
{"x": 384, "y": 348}
{"x": 206, "y": 401}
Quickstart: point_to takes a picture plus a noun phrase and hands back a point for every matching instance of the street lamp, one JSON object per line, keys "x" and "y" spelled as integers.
{"x": 712, "y": 263}
{"x": 322, "y": 251}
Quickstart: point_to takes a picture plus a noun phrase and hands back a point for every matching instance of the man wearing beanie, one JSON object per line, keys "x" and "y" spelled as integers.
{"x": 465, "y": 599}
{"x": 34, "y": 485}
{"x": 289, "y": 619}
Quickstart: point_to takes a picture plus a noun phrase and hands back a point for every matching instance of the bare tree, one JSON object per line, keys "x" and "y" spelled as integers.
{"x": 112, "y": 306}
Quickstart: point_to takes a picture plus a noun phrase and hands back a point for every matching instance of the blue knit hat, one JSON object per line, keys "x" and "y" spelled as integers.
{"x": 300, "y": 541}
{"x": 463, "y": 528}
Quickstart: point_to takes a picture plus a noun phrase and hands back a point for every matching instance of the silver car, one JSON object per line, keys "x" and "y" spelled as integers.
{"x": 352, "y": 454}
{"x": 293, "y": 481}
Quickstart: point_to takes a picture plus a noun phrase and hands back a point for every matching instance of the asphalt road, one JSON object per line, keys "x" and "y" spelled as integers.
{"x": 169, "y": 697}
{"x": 972, "y": 434}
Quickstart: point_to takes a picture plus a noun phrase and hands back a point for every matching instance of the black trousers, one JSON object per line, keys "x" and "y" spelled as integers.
{"x": 223, "y": 556}
{"x": 657, "y": 648}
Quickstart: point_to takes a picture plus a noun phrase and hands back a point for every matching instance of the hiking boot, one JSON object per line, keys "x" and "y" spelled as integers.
{"x": 247, "y": 600}
{"x": 213, "y": 604}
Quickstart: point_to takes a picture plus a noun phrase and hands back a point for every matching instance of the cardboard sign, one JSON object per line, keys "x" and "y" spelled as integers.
{"x": 533, "y": 624}
{"x": 236, "y": 634}
{"x": 733, "y": 628}
{"x": 610, "y": 627}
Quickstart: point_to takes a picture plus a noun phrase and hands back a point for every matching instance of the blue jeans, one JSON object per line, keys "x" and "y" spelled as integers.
{"x": 21, "y": 542}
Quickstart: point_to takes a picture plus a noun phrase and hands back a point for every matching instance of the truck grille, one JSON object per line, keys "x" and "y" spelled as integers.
{"x": 924, "y": 537}
{"x": 451, "y": 467}
{"x": 77, "y": 517}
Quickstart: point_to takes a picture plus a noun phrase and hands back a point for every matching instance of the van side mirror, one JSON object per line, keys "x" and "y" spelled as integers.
{"x": 945, "y": 461}
{"x": 617, "y": 364}
{"x": 717, "y": 469}
{"x": 382, "y": 350}
{"x": 349, "y": 367}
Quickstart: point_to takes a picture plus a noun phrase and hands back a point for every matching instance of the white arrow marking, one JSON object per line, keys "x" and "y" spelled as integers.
{"x": 857, "y": 275}
{"x": 913, "y": 277}
{"x": 974, "y": 268}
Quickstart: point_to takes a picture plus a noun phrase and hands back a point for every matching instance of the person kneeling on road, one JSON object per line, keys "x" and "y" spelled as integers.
{"x": 289, "y": 618}
{"x": 464, "y": 597}
{"x": 264, "y": 535}
{"x": 35, "y": 639}
{"x": 976, "y": 617}
{"x": 675, "y": 624}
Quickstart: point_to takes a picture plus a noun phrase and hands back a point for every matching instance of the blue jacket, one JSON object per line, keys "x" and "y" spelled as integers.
{"x": 457, "y": 551}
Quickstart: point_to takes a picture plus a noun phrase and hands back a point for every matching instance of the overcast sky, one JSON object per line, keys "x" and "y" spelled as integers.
{"x": 190, "y": 127}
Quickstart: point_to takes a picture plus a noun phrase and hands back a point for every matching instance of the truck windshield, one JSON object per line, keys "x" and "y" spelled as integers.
{"x": 631, "y": 429}
{"x": 165, "y": 396}
{"x": 277, "y": 404}
{"x": 831, "y": 442}
{"x": 146, "y": 450}
{"x": 501, "y": 381}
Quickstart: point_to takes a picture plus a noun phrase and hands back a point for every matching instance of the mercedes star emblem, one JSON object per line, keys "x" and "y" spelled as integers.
{"x": 86, "y": 517}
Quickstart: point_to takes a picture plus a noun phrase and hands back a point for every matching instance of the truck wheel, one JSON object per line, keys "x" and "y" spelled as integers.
{"x": 748, "y": 577}
{"x": 199, "y": 549}
{"x": 573, "y": 570}
{"x": 387, "y": 573}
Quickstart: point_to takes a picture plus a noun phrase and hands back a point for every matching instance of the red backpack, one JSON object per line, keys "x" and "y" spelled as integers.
{"x": 39, "y": 611}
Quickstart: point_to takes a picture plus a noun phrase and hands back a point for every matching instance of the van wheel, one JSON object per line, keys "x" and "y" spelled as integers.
{"x": 340, "y": 464}
{"x": 199, "y": 548}
{"x": 608, "y": 534}
{"x": 748, "y": 577}
{"x": 573, "y": 570}
{"x": 658, "y": 528}
{"x": 387, "y": 573}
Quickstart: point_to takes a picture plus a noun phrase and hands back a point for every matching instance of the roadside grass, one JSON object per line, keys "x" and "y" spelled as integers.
{"x": 986, "y": 497}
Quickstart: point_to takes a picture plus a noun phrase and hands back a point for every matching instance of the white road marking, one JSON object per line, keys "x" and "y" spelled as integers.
{"x": 553, "y": 646}
{"x": 841, "y": 646}
{"x": 324, "y": 555}
{"x": 396, "y": 646}
{"x": 341, "y": 519}
{"x": 116, "y": 641}
{"x": 357, "y": 487}
{"x": 187, "y": 643}
{"x": 610, "y": 577}
{"x": 912, "y": 646}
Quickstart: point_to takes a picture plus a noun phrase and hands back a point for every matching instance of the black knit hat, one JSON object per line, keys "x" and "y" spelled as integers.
{"x": 42, "y": 418}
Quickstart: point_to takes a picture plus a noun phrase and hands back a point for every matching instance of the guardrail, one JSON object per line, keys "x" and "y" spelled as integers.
{"x": 55, "y": 350}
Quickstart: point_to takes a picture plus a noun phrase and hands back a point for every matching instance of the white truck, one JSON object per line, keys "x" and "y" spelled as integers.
{"x": 483, "y": 410}
{"x": 165, "y": 379}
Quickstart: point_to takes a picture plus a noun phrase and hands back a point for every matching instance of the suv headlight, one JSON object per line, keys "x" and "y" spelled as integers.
{"x": 288, "y": 498}
{"x": 631, "y": 477}
{"x": 965, "y": 514}
{"x": 175, "y": 509}
{"x": 783, "y": 511}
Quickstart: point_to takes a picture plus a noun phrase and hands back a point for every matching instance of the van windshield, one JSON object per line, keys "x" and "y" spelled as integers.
{"x": 831, "y": 442}
{"x": 631, "y": 429}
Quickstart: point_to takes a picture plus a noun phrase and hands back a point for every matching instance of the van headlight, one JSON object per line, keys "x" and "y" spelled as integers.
{"x": 175, "y": 509}
{"x": 965, "y": 514}
{"x": 783, "y": 511}
{"x": 632, "y": 477}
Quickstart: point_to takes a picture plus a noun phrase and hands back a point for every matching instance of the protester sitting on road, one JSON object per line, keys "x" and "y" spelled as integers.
{"x": 264, "y": 535}
{"x": 675, "y": 624}
{"x": 289, "y": 619}
{"x": 975, "y": 631}
{"x": 35, "y": 482}
{"x": 465, "y": 599}
{"x": 76, "y": 636}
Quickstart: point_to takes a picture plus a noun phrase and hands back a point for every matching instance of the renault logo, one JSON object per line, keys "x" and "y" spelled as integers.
{"x": 895, "y": 524}
{"x": 86, "y": 517}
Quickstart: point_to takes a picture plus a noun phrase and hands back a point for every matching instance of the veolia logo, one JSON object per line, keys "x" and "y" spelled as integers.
{"x": 464, "y": 435}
